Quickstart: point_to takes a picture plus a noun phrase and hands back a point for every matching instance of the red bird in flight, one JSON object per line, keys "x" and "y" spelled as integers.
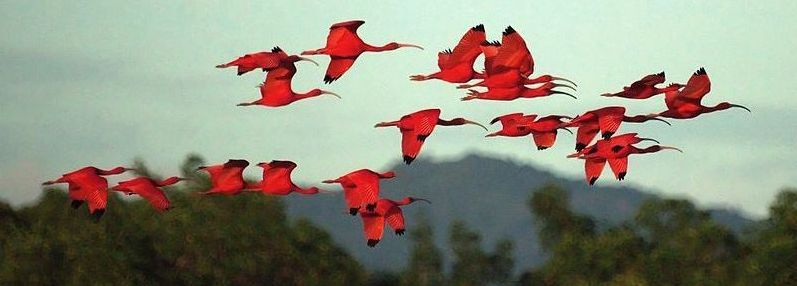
{"x": 360, "y": 188}
{"x": 543, "y": 131}
{"x": 686, "y": 103}
{"x": 226, "y": 179}
{"x": 417, "y": 126}
{"x": 645, "y": 88}
{"x": 509, "y": 64}
{"x": 344, "y": 46}
{"x": 277, "y": 180}
{"x": 277, "y": 89}
{"x": 266, "y": 61}
{"x": 457, "y": 66}
{"x": 606, "y": 120}
{"x": 149, "y": 190}
{"x": 512, "y": 93}
{"x": 386, "y": 211}
{"x": 88, "y": 185}
{"x": 614, "y": 150}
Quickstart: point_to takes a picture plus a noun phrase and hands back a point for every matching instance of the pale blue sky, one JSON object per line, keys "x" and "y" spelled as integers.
{"x": 102, "y": 82}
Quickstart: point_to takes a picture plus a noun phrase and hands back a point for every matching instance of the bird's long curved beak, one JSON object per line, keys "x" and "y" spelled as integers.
{"x": 742, "y": 107}
{"x": 335, "y": 181}
{"x": 423, "y": 200}
{"x": 649, "y": 139}
{"x": 671, "y": 148}
{"x": 492, "y": 134}
{"x": 477, "y": 123}
{"x": 565, "y": 93}
{"x": 331, "y": 93}
{"x": 659, "y": 119}
{"x": 410, "y": 45}
{"x": 565, "y": 129}
{"x": 308, "y": 60}
{"x": 563, "y": 85}
{"x": 130, "y": 169}
{"x": 607, "y": 94}
{"x": 564, "y": 79}
{"x": 574, "y": 155}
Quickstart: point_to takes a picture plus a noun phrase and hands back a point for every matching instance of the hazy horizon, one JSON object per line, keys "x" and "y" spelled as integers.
{"x": 102, "y": 83}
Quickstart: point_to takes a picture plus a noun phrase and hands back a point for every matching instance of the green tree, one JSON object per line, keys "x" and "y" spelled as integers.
{"x": 472, "y": 265}
{"x": 774, "y": 258}
{"x": 426, "y": 262}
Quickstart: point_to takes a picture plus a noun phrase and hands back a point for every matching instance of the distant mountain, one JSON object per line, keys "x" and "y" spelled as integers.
{"x": 488, "y": 193}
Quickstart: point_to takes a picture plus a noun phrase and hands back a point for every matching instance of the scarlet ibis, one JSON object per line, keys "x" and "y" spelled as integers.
{"x": 645, "y": 88}
{"x": 606, "y": 120}
{"x": 88, "y": 185}
{"x": 277, "y": 179}
{"x": 263, "y": 60}
{"x": 509, "y": 63}
{"x": 686, "y": 104}
{"x": 506, "y": 94}
{"x": 361, "y": 187}
{"x": 226, "y": 179}
{"x": 344, "y": 46}
{"x": 513, "y": 125}
{"x": 543, "y": 131}
{"x": 615, "y": 150}
{"x": 149, "y": 190}
{"x": 277, "y": 89}
{"x": 417, "y": 126}
{"x": 457, "y": 66}
{"x": 386, "y": 211}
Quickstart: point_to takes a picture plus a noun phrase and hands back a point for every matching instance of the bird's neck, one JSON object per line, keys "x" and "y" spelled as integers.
{"x": 651, "y": 149}
{"x": 168, "y": 181}
{"x": 114, "y": 171}
{"x": 452, "y": 122}
{"x": 309, "y": 94}
{"x": 638, "y": 118}
{"x": 387, "y": 47}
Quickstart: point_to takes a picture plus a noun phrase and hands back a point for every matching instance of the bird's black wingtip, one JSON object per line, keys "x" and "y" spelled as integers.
{"x": 661, "y": 74}
{"x": 701, "y": 71}
{"x": 509, "y": 30}
{"x": 478, "y": 28}
{"x": 408, "y": 159}
{"x": 580, "y": 146}
{"x": 621, "y": 176}
{"x": 592, "y": 180}
{"x": 400, "y": 232}
{"x": 76, "y": 204}
{"x": 372, "y": 242}
{"x": 276, "y": 49}
{"x": 97, "y": 214}
{"x": 329, "y": 79}
{"x": 353, "y": 211}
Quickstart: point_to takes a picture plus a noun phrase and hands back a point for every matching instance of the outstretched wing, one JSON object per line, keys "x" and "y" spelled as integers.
{"x": 467, "y": 50}
{"x": 697, "y": 87}
{"x": 395, "y": 218}
{"x": 513, "y": 54}
{"x": 593, "y": 168}
{"x": 544, "y": 140}
{"x": 585, "y": 134}
{"x": 609, "y": 123}
{"x": 337, "y": 67}
{"x": 373, "y": 227}
{"x": 619, "y": 167}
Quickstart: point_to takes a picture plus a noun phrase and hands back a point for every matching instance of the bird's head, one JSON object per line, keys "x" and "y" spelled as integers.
{"x": 296, "y": 58}
{"x": 462, "y": 121}
{"x": 727, "y": 105}
{"x": 317, "y": 92}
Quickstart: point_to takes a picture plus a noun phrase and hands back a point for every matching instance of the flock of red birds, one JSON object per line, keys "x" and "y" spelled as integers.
{"x": 507, "y": 75}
